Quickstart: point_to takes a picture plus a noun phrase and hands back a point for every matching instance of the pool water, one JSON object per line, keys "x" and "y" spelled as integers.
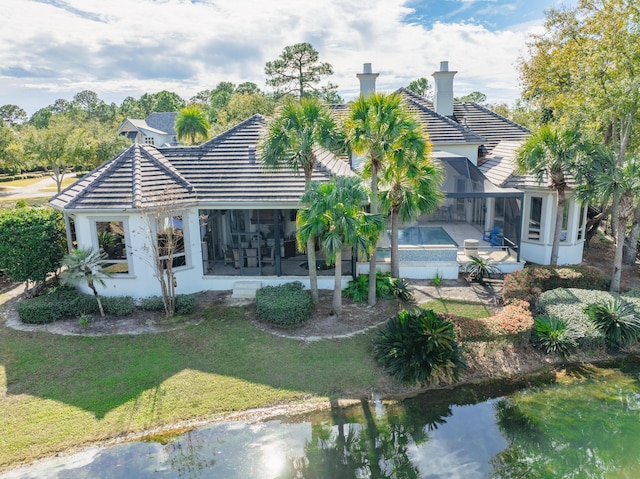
{"x": 424, "y": 235}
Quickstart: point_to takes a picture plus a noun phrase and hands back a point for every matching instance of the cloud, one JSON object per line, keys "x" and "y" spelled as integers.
{"x": 121, "y": 48}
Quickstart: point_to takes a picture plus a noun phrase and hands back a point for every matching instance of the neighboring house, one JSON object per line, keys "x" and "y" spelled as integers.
{"x": 158, "y": 129}
{"x": 238, "y": 218}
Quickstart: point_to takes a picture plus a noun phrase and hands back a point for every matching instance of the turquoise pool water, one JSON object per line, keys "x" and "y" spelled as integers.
{"x": 425, "y": 235}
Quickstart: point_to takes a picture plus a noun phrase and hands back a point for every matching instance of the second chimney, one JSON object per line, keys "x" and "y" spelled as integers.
{"x": 443, "y": 91}
{"x": 367, "y": 80}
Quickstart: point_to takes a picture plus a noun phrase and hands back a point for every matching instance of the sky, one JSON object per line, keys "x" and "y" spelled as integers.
{"x": 51, "y": 49}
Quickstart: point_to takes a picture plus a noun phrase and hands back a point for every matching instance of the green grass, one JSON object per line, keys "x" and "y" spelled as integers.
{"x": 22, "y": 183}
{"x": 59, "y": 392}
{"x": 459, "y": 308}
{"x": 10, "y": 203}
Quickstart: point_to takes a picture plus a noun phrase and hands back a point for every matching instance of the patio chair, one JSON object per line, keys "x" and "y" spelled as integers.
{"x": 488, "y": 234}
{"x": 270, "y": 257}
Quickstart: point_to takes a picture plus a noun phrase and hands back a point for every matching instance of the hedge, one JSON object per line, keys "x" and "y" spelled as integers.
{"x": 61, "y": 303}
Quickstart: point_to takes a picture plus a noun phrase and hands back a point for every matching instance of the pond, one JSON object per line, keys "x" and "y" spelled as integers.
{"x": 584, "y": 422}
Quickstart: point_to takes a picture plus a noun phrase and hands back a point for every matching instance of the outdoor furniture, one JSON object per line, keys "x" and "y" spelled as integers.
{"x": 251, "y": 254}
{"x": 471, "y": 247}
{"x": 486, "y": 236}
{"x": 268, "y": 255}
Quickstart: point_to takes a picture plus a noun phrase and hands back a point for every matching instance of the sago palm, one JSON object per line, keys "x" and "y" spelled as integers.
{"x": 85, "y": 266}
{"x": 292, "y": 140}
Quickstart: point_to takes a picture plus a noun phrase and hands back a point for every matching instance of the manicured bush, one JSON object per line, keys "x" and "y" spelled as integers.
{"x": 617, "y": 319}
{"x": 554, "y": 335}
{"x": 60, "y": 303}
{"x": 514, "y": 320}
{"x": 284, "y": 305}
{"x": 118, "y": 305}
{"x": 418, "y": 346}
{"x": 528, "y": 283}
{"x": 185, "y": 303}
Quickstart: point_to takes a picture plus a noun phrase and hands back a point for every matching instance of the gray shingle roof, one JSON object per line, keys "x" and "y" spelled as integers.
{"x": 163, "y": 121}
{"x": 441, "y": 129}
{"x": 221, "y": 171}
{"x": 491, "y": 126}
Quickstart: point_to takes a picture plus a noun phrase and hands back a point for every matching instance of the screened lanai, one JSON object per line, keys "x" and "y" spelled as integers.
{"x": 473, "y": 208}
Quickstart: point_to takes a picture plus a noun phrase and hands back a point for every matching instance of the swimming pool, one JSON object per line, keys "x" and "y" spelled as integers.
{"x": 424, "y": 235}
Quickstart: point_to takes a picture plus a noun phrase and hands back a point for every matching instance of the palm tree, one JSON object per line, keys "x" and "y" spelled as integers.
{"x": 411, "y": 188}
{"x": 292, "y": 140}
{"x": 85, "y": 266}
{"x": 552, "y": 153}
{"x": 612, "y": 181}
{"x": 377, "y": 128}
{"x": 191, "y": 122}
{"x": 335, "y": 214}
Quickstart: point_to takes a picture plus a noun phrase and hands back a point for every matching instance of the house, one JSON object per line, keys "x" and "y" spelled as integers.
{"x": 157, "y": 129}
{"x": 236, "y": 219}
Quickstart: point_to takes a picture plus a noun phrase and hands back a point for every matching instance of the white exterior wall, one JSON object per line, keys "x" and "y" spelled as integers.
{"x": 141, "y": 281}
{"x": 539, "y": 252}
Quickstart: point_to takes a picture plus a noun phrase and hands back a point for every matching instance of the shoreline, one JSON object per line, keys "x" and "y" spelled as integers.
{"x": 521, "y": 377}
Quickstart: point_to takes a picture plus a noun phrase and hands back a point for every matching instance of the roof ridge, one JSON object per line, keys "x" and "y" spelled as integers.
{"x": 97, "y": 173}
{"x": 222, "y": 136}
{"x": 158, "y": 158}
{"x": 413, "y": 98}
{"x": 493, "y": 113}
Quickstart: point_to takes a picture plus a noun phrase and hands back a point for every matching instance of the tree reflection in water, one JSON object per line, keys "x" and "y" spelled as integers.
{"x": 360, "y": 444}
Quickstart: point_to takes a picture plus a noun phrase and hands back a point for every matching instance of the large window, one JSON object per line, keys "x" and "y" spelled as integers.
{"x": 170, "y": 237}
{"x": 535, "y": 219}
{"x": 112, "y": 241}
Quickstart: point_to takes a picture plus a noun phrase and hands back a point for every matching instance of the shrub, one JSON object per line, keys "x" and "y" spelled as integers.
{"x": 568, "y": 304}
{"x": 118, "y": 305}
{"x": 479, "y": 268}
{"x": 418, "y": 346}
{"x": 513, "y": 320}
{"x": 357, "y": 289}
{"x": 386, "y": 288}
{"x": 59, "y": 303}
{"x": 152, "y": 303}
{"x": 284, "y": 305}
{"x": 185, "y": 303}
{"x": 528, "y": 283}
{"x": 554, "y": 335}
{"x": 617, "y": 319}
{"x": 32, "y": 243}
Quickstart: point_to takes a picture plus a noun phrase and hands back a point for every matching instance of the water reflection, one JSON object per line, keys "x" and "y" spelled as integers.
{"x": 584, "y": 425}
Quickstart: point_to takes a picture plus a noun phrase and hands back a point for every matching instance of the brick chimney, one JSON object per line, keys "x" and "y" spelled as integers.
{"x": 443, "y": 91}
{"x": 367, "y": 80}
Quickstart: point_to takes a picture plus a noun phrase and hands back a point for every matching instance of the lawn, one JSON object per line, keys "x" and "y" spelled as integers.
{"x": 60, "y": 392}
{"x": 459, "y": 308}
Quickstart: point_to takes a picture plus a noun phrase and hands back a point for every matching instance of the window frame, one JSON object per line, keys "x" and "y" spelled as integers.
{"x": 533, "y": 230}
{"x": 127, "y": 242}
{"x": 176, "y": 256}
